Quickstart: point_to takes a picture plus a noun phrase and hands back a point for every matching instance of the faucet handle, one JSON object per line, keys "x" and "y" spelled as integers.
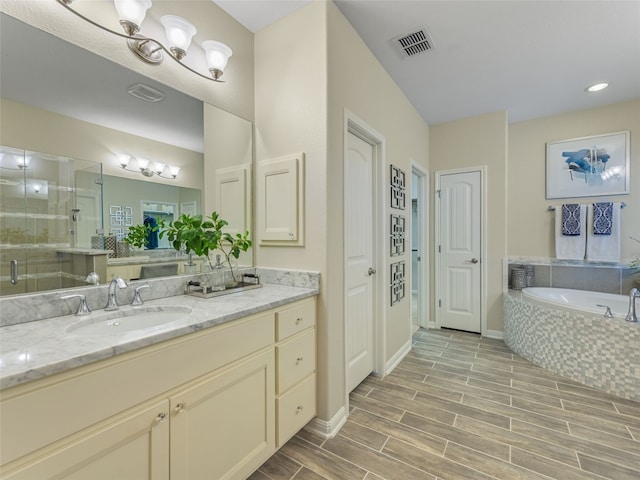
{"x": 83, "y": 308}
{"x": 607, "y": 313}
{"x": 137, "y": 298}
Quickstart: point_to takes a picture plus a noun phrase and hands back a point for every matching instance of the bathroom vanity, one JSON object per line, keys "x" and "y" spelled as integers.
{"x": 214, "y": 403}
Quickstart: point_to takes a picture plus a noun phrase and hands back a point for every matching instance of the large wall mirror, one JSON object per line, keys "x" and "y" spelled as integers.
{"x": 62, "y": 101}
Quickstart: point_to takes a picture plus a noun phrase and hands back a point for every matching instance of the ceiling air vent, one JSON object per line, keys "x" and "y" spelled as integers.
{"x": 145, "y": 93}
{"x": 413, "y": 43}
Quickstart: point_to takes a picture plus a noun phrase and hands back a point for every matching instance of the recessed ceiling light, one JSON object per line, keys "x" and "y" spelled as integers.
{"x": 597, "y": 87}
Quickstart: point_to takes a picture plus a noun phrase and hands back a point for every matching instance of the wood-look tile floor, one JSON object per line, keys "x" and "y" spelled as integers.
{"x": 464, "y": 407}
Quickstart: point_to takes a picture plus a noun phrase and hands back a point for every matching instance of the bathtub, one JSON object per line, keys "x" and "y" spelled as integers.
{"x": 580, "y": 301}
{"x": 564, "y": 331}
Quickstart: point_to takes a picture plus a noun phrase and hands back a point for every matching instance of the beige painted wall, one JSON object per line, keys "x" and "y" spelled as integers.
{"x": 235, "y": 95}
{"x": 302, "y": 90}
{"x": 530, "y": 226}
{"x": 473, "y": 142}
{"x": 359, "y": 84}
{"x": 291, "y": 117}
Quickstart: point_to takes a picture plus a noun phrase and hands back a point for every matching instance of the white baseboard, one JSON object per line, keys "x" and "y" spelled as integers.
{"x": 328, "y": 428}
{"x": 397, "y": 357}
{"x": 496, "y": 334}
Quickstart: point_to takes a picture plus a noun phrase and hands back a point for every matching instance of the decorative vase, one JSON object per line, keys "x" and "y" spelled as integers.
{"x": 216, "y": 276}
{"x": 231, "y": 272}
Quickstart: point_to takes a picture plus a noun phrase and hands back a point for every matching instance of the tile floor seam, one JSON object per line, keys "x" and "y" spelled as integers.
{"x": 386, "y": 455}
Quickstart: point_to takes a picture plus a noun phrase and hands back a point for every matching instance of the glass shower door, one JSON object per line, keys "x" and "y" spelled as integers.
{"x": 13, "y": 226}
{"x": 41, "y": 218}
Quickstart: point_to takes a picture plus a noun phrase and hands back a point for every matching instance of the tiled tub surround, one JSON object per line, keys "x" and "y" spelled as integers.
{"x": 595, "y": 277}
{"x": 591, "y": 349}
{"x": 40, "y": 306}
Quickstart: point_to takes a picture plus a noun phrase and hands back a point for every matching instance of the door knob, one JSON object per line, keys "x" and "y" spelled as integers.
{"x": 371, "y": 271}
{"x": 473, "y": 260}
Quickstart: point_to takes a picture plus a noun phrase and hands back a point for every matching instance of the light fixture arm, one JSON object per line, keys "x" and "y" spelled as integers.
{"x": 136, "y": 38}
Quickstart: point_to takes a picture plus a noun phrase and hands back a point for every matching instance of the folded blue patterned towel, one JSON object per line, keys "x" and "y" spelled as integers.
{"x": 602, "y": 218}
{"x": 570, "y": 219}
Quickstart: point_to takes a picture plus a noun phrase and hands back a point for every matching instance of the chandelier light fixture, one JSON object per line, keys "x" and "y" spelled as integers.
{"x": 148, "y": 168}
{"x": 179, "y": 33}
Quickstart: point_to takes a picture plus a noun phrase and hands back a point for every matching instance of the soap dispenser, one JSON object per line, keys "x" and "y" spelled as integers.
{"x": 217, "y": 276}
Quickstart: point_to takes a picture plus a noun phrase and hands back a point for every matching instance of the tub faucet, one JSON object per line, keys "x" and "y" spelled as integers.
{"x": 631, "y": 316}
{"x": 112, "y": 304}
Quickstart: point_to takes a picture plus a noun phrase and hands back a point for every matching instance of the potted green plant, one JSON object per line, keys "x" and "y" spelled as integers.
{"x": 193, "y": 234}
{"x": 230, "y": 245}
{"x": 138, "y": 235}
{"x": 204, "y": 235}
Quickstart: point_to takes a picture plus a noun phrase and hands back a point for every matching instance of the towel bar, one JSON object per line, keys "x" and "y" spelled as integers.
{"x": 552, "y": 208}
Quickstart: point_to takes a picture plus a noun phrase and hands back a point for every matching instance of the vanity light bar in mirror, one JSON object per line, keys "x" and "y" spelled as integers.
{"x": 147, "y": 168}
{"x": 179, "y": 33}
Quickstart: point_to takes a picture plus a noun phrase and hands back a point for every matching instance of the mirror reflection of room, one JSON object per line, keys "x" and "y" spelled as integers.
{"x": 62, "y": 116}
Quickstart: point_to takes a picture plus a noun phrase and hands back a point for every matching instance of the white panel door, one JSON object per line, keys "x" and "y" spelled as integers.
{"x": 359, "y": 260}
{"x": 460, "y": 247}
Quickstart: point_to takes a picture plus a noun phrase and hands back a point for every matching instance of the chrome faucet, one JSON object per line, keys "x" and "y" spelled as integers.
{"x": 631, "y": 316}
{"x": 137, "y": 297}
{"x": 112, "y": 304}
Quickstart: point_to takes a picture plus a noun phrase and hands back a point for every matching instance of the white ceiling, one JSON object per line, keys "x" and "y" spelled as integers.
{"x": 531, "y": 58}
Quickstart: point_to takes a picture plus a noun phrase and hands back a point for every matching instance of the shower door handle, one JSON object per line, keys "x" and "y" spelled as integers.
{"x": 14, "y": 272}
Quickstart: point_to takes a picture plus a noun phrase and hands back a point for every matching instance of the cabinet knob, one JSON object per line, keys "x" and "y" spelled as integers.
{"x": 299, "y": 408}
{"x": 161, "y": 417}
{"x": 180, "y": 407}
{"x": 298, "y": 320}
{"x": 299, "y": 360}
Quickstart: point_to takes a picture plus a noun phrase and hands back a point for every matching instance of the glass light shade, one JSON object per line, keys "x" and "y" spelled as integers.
{"x": 217, "y": 54}
{"x": 158, "y": 167}
{"x": 179, "y": 31}
{"x": 132, "y": 11}
{"x": 173, "y": 171}
{"x": 124, "y": 161}
{"x": 143, "y": 163}
{"x": 23, "y": 162}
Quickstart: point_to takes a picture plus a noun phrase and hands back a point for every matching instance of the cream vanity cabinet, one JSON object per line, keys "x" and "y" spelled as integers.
{"x": 296, "y": 368}
{"x": 125, "y": 271}
{"x": 203, "y": 405}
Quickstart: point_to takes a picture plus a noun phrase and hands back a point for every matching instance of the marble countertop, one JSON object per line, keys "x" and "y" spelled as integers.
{"x": 33, "y": 350}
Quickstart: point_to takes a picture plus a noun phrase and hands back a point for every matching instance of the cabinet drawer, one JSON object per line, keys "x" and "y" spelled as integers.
{"x": 296, "y": 359}
{"x": 295, "y": 409}
{"x": 295, "y": 319}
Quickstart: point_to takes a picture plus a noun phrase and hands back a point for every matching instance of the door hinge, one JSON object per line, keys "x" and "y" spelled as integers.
{"x": 439, "y": 248}
{"x": 99, "y": 181}
{"x": 439, "y": 303}
{"x": 438, "y": 192}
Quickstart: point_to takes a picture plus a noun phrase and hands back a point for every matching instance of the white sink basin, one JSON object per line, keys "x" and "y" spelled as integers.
{"x": 128, "y": 320}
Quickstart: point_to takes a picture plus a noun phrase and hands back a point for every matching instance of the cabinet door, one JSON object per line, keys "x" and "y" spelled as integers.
{"x": 224, "y": 426}
{"x": 131, "y": 447}
{"x": 280, "y": 190}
